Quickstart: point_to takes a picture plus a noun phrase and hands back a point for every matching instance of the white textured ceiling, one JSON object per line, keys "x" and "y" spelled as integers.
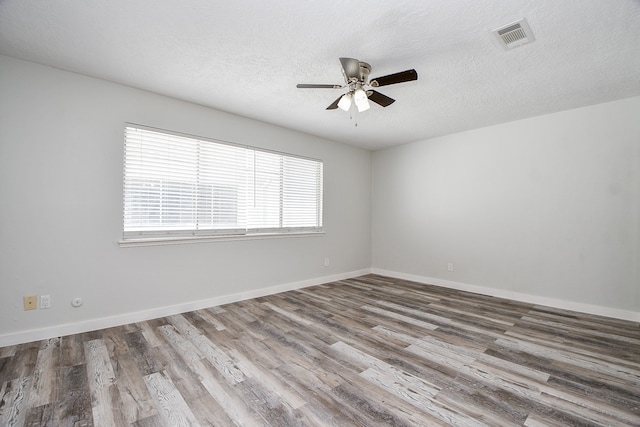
{"x": 246, "y": 57}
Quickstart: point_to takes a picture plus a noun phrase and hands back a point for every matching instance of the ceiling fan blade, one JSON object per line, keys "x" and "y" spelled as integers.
{"x": 351, "y": 68}
{"x": 380, "y": 99}
{"x": 315, "y": 86}
{"x": 334, "y": 105}
{"x": 402, "y": 76}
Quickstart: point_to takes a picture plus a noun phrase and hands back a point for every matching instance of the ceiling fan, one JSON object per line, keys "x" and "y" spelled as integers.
{"x": 356, "y": 76}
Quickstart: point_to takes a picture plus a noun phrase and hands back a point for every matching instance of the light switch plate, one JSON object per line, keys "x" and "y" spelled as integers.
{"x": 45, "y": 301}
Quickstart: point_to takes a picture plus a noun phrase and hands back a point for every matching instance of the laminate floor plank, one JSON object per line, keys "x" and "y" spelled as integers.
{"x": 269, "y": 381}
{"x": 153, "y": 421}
{"x": 73, "y": 407}
{"x": 211, "y": 320}
{"x": 184, "y": 378}
{"x": 22, "y": 364}
{"x": 142, "y": 352}
{"x": 8, "y": 351}
{"x": 136, "y": 402}
{"x": 227, "y": 405}
{"x": 43, "y": 391}
{"x": 149, "y": 333}
{"x": 235, "y": 325}
{"x": 40, "y": 416}
{"x": 172, "y": 407}
{"x": 102, "y": 379}
{"x": 367, "y": 351}
{"x": 14, "y": 399}
{"x": 115, "y": 341}
{"x": 71, "y": 350}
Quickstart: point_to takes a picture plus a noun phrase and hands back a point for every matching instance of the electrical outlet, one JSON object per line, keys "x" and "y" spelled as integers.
{"x": 30, "y": 302}
{"x": 45, "y": 301}
{"x": 450, "y": 266}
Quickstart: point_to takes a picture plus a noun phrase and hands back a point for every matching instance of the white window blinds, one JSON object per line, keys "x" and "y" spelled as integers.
{"x": 176, "y": 185}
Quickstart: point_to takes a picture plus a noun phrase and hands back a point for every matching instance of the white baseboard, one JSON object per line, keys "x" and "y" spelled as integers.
{"x": 139, "y": 316}
{"x": 517, "y": 296}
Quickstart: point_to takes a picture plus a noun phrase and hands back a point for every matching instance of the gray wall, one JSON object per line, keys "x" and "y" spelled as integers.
{"x": 61, "y": 148}
{"x": 545, "y": 207}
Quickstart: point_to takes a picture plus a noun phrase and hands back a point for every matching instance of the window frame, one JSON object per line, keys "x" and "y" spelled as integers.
{"x": 166, "y": 235}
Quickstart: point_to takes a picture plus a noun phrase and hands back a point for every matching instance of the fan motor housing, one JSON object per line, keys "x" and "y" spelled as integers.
{"x": 365, "y": 69}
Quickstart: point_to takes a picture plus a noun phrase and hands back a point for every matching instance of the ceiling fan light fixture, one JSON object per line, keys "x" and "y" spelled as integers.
{"x": 345, "y": 102}
{"x": 359, "y": 87}
{"x": 360, "y": 98}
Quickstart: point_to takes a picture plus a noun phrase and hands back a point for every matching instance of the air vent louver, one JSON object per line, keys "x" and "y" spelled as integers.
{"x": 514, "y": 34}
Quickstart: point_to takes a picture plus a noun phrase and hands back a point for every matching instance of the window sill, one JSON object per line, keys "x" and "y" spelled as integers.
{"x": 184, "y": 240}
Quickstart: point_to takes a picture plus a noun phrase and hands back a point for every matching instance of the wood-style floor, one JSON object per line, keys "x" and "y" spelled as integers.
{"x": 367, "y": 351}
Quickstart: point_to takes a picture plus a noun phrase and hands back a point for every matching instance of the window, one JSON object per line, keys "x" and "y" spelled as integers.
{"x": 178, "y": 186}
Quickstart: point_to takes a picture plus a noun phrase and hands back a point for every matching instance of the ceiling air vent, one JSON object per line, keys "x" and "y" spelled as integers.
{"x": 514, "y": 34}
